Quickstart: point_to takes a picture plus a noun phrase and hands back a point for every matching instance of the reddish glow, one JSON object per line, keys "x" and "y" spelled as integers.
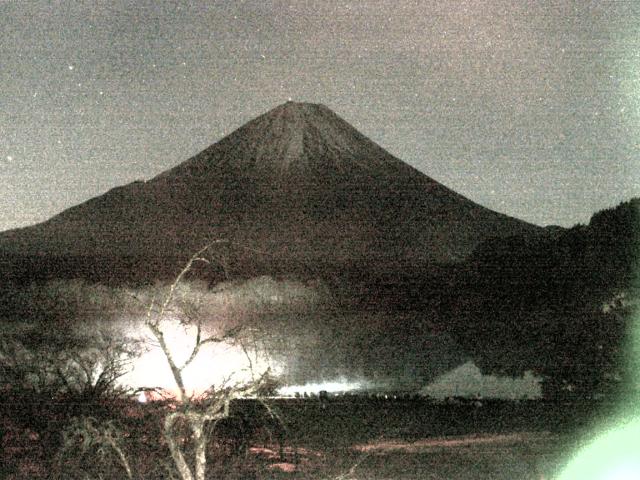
{"x": 283, "y": 467}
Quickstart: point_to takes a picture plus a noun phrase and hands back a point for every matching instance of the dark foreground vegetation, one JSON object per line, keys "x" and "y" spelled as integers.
{"x": 341, "y": 437}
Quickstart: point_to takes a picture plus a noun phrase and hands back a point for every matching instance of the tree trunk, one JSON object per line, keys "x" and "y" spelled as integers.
{"x": 200, "y": 440}
{"x": 174, "y": 448}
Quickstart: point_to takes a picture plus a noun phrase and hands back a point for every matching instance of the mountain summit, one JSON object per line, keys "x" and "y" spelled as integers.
{"x": 304, "y": 141}
{"x": 298, "y": 184}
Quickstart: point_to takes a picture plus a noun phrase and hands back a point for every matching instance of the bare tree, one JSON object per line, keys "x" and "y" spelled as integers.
{"x": 50, "y": 385}
{"x": 194, "y": 410}
{"x": 87, "y": 433}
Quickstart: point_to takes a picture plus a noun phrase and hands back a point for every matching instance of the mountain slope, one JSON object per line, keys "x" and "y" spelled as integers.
{"x": 297, "y": 184}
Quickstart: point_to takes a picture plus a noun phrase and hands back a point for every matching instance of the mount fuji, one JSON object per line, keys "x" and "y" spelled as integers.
{"x": 295, "y": 186}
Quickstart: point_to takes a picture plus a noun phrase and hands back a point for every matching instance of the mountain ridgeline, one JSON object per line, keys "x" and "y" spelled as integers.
{"x": 297, "y": 188}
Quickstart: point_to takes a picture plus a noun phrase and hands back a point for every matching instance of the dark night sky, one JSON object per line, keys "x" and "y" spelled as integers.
{"x": 529, "y": 108}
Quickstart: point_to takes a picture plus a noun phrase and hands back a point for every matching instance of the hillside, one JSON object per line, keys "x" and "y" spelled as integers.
{"x": 296, "y": 188}
{"x": 561, "y": 305}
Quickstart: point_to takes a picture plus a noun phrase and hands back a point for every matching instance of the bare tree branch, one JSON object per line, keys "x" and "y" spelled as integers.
{"x": 198, "y": 345}
{"x": 194, "y": 411}
{"x": 194, "y": 258}
{"x": 175, "y": 370}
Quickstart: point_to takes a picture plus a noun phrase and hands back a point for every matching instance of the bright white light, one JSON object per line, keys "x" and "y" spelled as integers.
{"x": 329, "y": 387}
{"x": 216, "y": 364}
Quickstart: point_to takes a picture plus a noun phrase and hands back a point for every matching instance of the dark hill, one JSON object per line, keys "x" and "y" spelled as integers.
{"x": 295, "y": 186}
{"x": 561, "y": 305}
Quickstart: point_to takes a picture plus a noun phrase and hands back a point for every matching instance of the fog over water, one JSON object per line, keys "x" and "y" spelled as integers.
{"x": 467, "y": 380}
{"x": 295, "y": 330}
